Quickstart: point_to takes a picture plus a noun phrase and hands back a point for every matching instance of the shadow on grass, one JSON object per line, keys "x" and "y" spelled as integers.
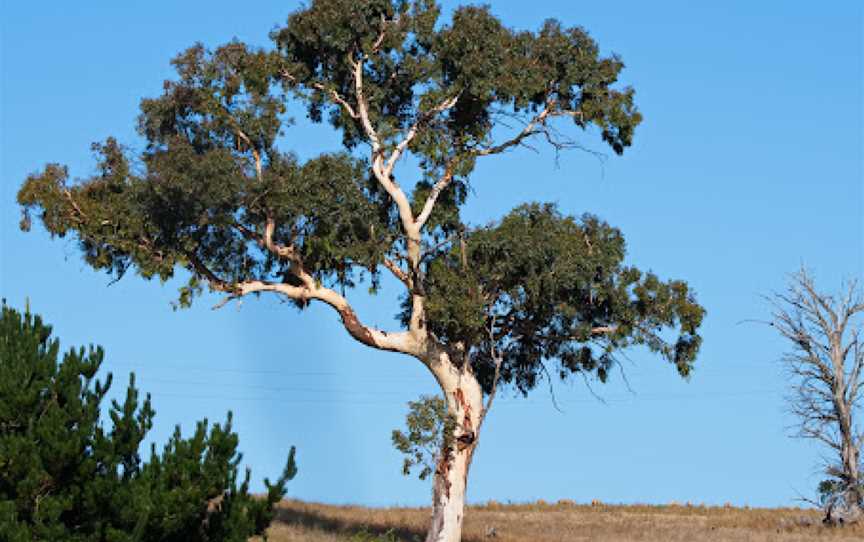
{"x": 315, "y": 520}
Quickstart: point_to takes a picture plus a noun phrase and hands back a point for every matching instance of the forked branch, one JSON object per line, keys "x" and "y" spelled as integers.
{"x": 424, "y": 118}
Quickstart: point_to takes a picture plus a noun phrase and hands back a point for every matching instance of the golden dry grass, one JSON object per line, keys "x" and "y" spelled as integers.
{"x": 560, "y": 522}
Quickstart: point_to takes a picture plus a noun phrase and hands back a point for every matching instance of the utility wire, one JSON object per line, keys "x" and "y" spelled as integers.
{"x": 361, "y": 401}
{"x": 632, "y": 397}
{"x": 270, "y": 388}
{"x": 180, "y": 368}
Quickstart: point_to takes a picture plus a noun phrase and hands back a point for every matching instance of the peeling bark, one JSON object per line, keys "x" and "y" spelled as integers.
{"x": 357, "y": 330}
{"x": 448, "y": 497}
{"x": 464, "y": 398}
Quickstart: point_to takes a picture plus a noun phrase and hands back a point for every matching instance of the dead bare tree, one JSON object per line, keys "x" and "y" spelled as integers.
{"x": 825, "y": 366}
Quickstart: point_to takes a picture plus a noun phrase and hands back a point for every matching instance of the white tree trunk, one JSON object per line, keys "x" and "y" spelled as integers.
{"x": 465, "y": 402}
{"x": 448, "y": 499}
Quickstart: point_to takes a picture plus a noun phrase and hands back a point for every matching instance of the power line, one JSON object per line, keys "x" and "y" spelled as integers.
{"x": 180, "y": 367}
{"x": 360, "y": 401}
{"x": 699, "y": 369}
{"x": 277, "y": 399}
{"x": 270, "y": 388}
{"x": 634, "y": 398}
{"x": 629, "y": 398}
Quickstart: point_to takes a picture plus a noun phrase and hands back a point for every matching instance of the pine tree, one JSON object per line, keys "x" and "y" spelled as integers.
{"x": 65, "y": 476}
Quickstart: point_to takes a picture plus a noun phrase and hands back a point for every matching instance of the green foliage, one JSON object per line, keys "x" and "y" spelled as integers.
{"x": 65, "y": 476}
{"x": 540, "y": 286}
{"x": 212, "y": 178}
{"x": 194, "y": 198}
{"x": 834, "y": 490}
{"x": 430, "y": 430}
{"x": 828, "y": 490}
{"x": 419, "y": 61}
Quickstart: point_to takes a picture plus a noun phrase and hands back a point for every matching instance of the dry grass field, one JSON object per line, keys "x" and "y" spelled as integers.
{"x": 559, "y": 522}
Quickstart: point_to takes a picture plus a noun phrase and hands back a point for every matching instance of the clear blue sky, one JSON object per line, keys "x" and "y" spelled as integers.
{"x": 748, "y": 164}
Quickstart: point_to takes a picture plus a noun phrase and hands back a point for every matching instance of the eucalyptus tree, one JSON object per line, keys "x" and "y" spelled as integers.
{"x": 214, "y": 193}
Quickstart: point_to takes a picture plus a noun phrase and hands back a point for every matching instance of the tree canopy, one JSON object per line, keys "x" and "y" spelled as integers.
{"x": 540, "y": 286}
{"x": 213, "y": 192}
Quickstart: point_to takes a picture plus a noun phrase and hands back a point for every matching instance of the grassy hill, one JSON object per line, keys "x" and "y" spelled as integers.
{"x": 559, "y": 522}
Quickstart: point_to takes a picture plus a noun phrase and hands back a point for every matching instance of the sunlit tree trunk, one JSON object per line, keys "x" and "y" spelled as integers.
{"x": 464, "y": 398}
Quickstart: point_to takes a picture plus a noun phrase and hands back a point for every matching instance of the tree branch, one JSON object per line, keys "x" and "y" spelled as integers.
{"x": 394, "y": 342}
{"x": 429, "y": 204}
{"x": 381, "y": 174}
{"x": 413, "y": 130}
{"x": 397, "y": 272}
{"x": 538, "y": 125}
{"x": 215, "y": 282}
{"x": 383, "y": 34}
{"x": 337, "y": 98}
{"x": 286, "y": 252}
{"x": 363, "y": 112}
{"x": 498, "y": 358}
{"x": 526, "y": 132}
{"x": 81, "y": 216}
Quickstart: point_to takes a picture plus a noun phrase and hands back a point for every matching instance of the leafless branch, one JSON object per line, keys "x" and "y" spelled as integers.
{"x": 498, "y": 359}
{"x": 590, "y": 388}
{"x": 429, "y": 204}
{"x": 335, "y": 96}
{"x": 397, "y": 272}
{"x": 825, "y": 365}
{"x": 530, "y": 129}
{"x": 551, "y": 387}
